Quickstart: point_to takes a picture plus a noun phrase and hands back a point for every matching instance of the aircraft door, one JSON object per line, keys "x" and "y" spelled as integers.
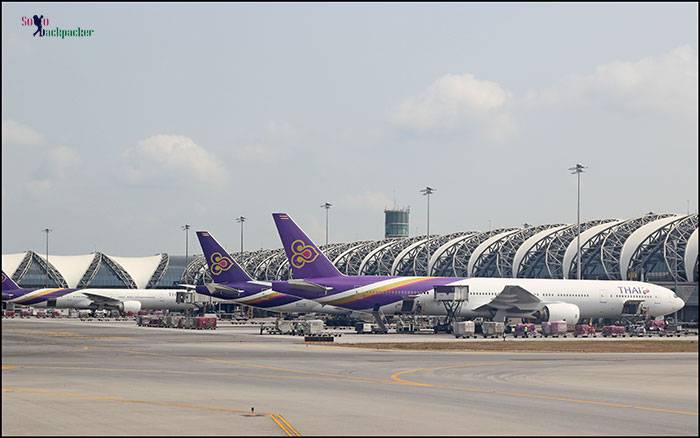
{"x": 603, "y": 302}
{"x": 184, "y": 297}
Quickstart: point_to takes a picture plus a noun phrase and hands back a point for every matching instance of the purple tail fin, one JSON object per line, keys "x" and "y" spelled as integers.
{"x": 306, "y": 260}
{"x": 8, "y": 283}
{"x": 222, "y": 267}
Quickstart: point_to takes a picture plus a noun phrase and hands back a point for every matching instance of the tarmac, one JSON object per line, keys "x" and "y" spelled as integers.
{"x": 67, "y": 377}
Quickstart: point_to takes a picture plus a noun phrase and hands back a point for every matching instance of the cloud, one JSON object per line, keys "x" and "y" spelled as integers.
{"x": 666, "y": 84}
{"x": 58, "y": 164}
{"x": 456, "y": 102}
{"x": 18, "y": 134}
{"x": 62, "y": 159}
{"x": 170, "y": 155}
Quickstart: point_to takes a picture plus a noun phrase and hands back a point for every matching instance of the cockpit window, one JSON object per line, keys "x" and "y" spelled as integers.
{"x": 674, "y": 295}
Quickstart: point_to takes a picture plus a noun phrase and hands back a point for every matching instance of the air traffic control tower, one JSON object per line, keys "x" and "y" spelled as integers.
{"x": 396, "y": 222}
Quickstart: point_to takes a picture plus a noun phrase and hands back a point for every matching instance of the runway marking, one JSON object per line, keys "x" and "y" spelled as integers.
{"x": 284, "y": 425}
{"x": 396, "y": 377}
{"x": 292, "y": 428}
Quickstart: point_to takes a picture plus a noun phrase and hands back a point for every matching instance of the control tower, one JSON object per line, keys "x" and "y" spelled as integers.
{"x": 396, "y": 222}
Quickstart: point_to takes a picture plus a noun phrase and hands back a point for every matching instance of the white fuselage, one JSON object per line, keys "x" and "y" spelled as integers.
{"x": 594, "y": 298}
{"x": 263, "y": 299}
{"x": 150, "y": 299}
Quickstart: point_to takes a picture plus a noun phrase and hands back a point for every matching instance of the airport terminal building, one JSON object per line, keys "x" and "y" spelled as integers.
{"x": 658, "y": 248}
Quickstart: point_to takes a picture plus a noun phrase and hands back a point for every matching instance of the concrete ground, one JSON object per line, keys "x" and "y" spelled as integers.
{"x": 66, "y": 377}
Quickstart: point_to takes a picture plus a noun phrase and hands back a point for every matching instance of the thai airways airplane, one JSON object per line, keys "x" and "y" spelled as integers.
{"x": 315, "y": 277}
{"x": 124, "y": 300}
{"x": 232, "y": 283}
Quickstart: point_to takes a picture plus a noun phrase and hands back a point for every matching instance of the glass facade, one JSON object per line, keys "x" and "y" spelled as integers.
{"x": 36, "y": 277}
{"x": 106, "y": 277}
{"x": 173, "y": 273}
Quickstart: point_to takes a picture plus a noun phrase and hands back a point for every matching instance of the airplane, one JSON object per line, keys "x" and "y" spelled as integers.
{"x": 124, "y": 300}
{"x": 316, "y": 278}
{"x": 232, "y": 283}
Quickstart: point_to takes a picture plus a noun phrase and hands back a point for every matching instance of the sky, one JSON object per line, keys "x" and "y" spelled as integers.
{"x": 200, "y": 113}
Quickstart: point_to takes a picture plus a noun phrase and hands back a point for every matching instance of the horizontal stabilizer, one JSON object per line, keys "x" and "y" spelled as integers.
{"x": 309, "y": 286}
{"x": 260, "y": 283}
{"x": 214, "y": 287}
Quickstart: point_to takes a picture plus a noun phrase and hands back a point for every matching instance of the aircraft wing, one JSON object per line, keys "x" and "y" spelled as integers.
{"x": 307, "y": 285}
{"x": 102, "y": 300}
{"x": 514, "y": 299}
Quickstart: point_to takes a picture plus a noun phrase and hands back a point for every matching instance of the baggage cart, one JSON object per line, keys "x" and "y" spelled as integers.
{"x": 584, "y": 330}
{"x": 525, "y": 330}
{"x": 554, "y": 329}
{"x": 492, "y": 329}
{"x": 656, "y": 327}
{"x": 614, "y": 331}
{"x": 464, "y": 329}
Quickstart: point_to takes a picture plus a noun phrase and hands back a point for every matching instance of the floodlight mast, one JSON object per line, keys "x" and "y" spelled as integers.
{"x": 578, "y": 169}
{"x": 241, "y": 220}
{"x": 47, "y": 231}
{"x": 427, "y": 191}
{"x": 327, "y": 206}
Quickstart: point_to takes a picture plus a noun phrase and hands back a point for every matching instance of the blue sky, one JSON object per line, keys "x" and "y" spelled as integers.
{"x": 192, "y": 113}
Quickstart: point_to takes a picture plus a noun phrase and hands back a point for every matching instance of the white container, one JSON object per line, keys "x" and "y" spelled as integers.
{"x": 491, "y": 328}
{"x": 313, "y": 326}
{"x": 463, "y": 328}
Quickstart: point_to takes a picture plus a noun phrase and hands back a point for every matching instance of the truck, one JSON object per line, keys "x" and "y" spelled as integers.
{"x": 464, "y": 329}
{"x": 363, "y": 327}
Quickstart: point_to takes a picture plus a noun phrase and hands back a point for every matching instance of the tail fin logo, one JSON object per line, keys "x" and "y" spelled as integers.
{"x": 220, "y": 263}
{"x": 302, "y": 254}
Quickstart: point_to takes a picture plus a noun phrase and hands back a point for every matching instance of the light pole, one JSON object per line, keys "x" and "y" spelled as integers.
{"x": 327, "y": 206}
{"x": 186, "y": 228}
{"x": 47, "y": 231}
{"x": 578, "y": 170}
{"x": 240, "y": 220}
{"x": 427, "y": 191}
{"x": 675, "y": 274}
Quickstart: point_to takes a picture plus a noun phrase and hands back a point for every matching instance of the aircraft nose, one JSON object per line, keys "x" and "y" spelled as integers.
{"x": 678, "y": 304}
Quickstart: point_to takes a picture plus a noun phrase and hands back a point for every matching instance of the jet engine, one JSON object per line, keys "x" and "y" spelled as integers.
{"x": 560, "y": 312}
{"x": 130, "y": 306}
